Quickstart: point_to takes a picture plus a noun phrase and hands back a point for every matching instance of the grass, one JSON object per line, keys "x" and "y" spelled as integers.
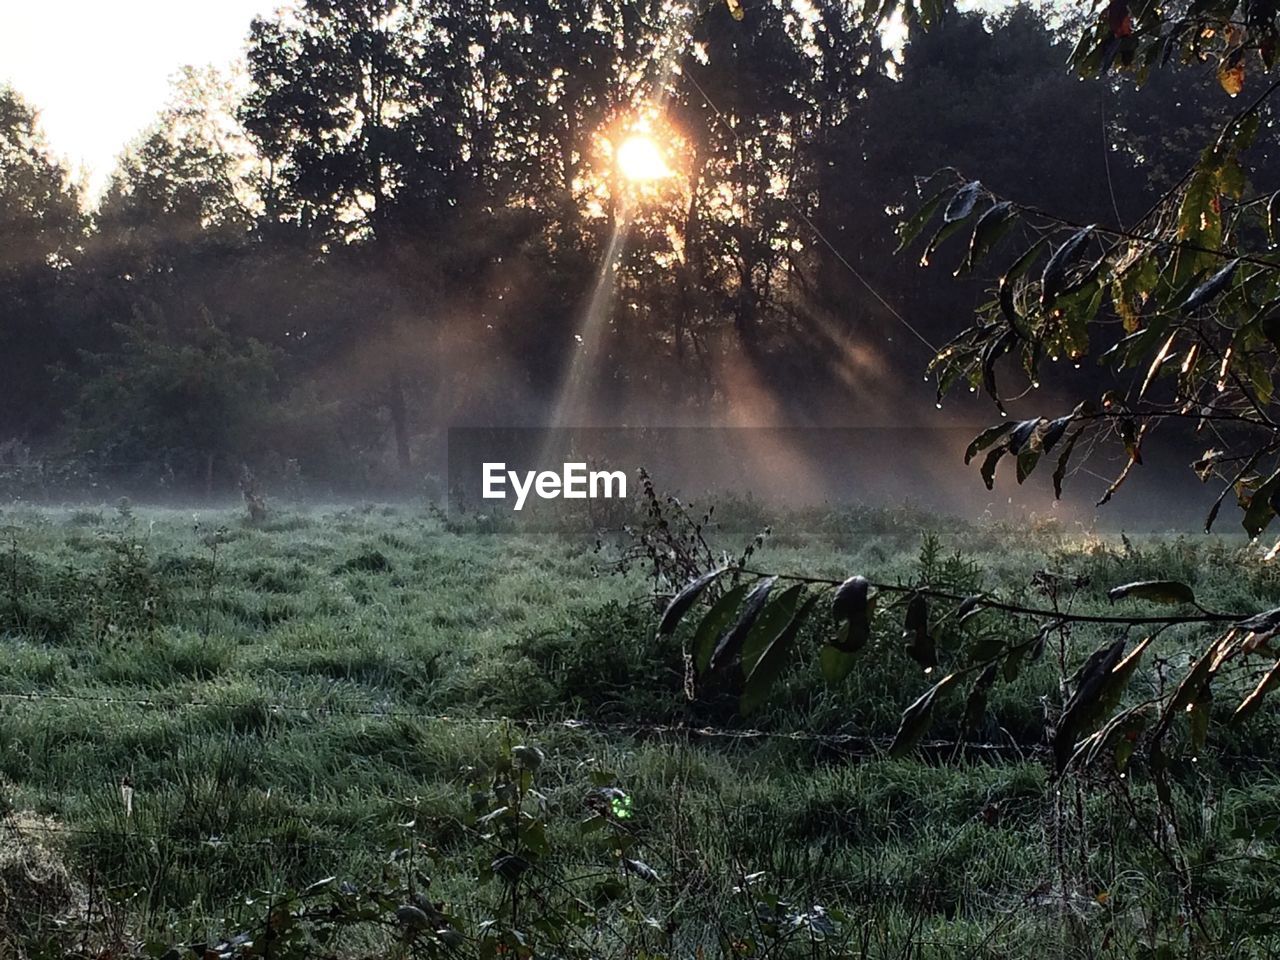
{"x": 301, "y": 698}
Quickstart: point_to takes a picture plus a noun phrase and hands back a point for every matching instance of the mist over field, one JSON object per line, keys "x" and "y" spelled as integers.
{"x": 639, "y": 480}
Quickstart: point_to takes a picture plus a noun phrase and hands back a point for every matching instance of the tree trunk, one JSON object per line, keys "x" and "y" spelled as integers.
{"x": 688, "y": 265}
{"x": 399, "y": 420}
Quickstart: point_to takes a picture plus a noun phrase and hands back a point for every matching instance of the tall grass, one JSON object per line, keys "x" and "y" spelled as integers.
{"x": 302, "y": 697}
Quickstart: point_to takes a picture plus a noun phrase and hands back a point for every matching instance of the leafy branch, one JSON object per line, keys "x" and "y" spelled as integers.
{"x": 746, "y": 639}
{"x": 1188, "y": 305}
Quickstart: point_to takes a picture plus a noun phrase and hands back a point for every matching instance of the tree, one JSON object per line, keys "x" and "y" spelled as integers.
{"x": 339, "y": 107}
{"x": 41, "y": 233}
{"x": 413, "y": 201}
{"x": 1184, "y": 301}
{"x": 175, "y": 396}
{"x": 1180, "y": 300}
{"x": 173, "y": 230}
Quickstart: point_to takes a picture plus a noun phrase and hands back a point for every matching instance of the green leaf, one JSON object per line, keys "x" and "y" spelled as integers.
{"x": 910, "y": 228}
{"x": 943, "y": 233}
{"x": 835, "y": 663}
{"x": 685, "y": 599}
{"x": 768, "y": 666}
{"x": 1025, "y": 261}
{"x": 975, "y": 706}
{"x": 917, "y": 717}
{"x": 1191, "y": 689}
{"x": 1085, "y": 704}
{"x": 1231, "y": 178}
{"x": 953, "y": 218}
{"x": 991, "y": 226}
{"x": 713, "y": 624}
{"x": 1157, "y": 364}
{"x": 1053, "y": 280}
{"x": 850, "y": 598}
{"x": 1266, "y": 622}
{"x": 986, "y": 438}
{"x": 1053, "y": 432}
{"x": 988, "y": 470}
{"x": 1005, "y": 290}
{"x": 1198, "y": 716}
{"x": 1244, "y": 131}
{"x": 1211, "y": 288}
{"x": 508, "y": 866}
{"x": 1132, "y": 290}
{"x": 852, "y": 606}
{"x": 1121, "y": 731}
{"x": 1199, "y": 223}
{"x": 1254, "y": 700}
{"x": 969, "y": 605}
{"x": 1026, "y": 463}
{"x": 962, "y": 203}
{"x": 771, "y": 622}
{"x": 1129, "y": 733}
{"x": 1023, "y": 431}
{"x": 1157, "y": 591}
{"x": 1115, "y": 683}
{"x": 920, "y": 643}
{"x": 1013, "y": 663}
{"x": 996, "y": 348}
{"x": 1109, "y": 690}
{"x": 730, "y": 645}
{"x": 1261, "y": 506}
{"x": 1004, "y": 296}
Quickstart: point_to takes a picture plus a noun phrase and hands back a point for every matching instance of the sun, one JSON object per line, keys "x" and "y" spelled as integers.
{"x": 640, "y": 160}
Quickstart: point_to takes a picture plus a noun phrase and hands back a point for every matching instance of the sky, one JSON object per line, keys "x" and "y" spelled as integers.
{"x": 98, "y": 71}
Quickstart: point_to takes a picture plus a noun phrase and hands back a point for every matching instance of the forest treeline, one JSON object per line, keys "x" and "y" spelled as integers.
{"x": 397, "y": 219}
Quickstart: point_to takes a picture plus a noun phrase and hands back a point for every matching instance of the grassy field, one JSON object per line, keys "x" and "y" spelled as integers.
{"x": 313, "y": 696}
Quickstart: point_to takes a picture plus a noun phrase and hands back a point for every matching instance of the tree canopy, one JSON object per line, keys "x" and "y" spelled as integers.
{"x": 410, "y": 205}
